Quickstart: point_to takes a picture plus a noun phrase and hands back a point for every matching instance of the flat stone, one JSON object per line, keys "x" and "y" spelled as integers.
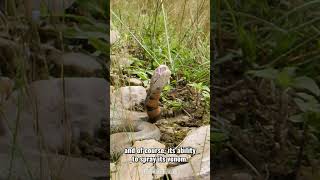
{"x": 128, "y": 170}
{"x": 73, "y": 168}
{"x": 122, "y": 101}
{"x": 134, "y": 82}
{"x": 77, "y": 64}
{"x": 85, "y": 108}
{"x": 84, "y": 100}
{"x": 128, "y": 97}
{"x": 120, "y": 62}
{"x": 199, "y": 164}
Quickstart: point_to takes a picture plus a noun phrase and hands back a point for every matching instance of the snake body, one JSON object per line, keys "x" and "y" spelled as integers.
{"x": 140, "y": 129}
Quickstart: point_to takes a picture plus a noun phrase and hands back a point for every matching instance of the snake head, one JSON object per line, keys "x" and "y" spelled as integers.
{"x": 160, "y": 78}
{"x": 162, "y": 69}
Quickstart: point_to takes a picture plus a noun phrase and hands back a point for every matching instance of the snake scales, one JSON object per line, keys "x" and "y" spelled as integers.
{"x": 139, "y": 128}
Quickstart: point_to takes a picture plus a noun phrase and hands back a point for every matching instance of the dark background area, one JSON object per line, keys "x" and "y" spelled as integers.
{"x": 54, "y": 90}
{"x": 265, "y": 93}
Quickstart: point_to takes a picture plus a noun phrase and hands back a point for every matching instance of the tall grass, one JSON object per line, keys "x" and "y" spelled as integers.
{"x": 268, "y": 33}
{"x": 27, "y": 68}
{"x": 175, "y": 33}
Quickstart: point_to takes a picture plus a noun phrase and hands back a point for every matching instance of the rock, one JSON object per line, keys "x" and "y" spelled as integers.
{"x": 114, "y": 36}
{"x": 198, "y": 139}
{"x": 120, "y": 116}
{"x": 76, "y": 64}
{"x": 199, "y": 164}
{"x": 128, "y": 97}
{"x": 85, "y": 108}
{"x": 122, "y": 101}
{"x": 241, "y": 176}
{"x": 127, "y": 170}
{"x": 120, "y": 62}
{"x": 134, "y": 82}
{"x": 57, "y": 166}
{"x": 170, "y": 130}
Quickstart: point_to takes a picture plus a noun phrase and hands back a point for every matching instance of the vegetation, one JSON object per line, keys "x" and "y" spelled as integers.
{"x": 164, "y": 32}
{"x": 272, "y": 49}
{"x": 25, "y": 52}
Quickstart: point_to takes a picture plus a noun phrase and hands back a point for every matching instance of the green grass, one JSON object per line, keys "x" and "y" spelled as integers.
{"x": 277, "y": 41}
{"x": 172, "y": 33}
{"x": 270, "y": 34}
{"x": 266, "y": 34}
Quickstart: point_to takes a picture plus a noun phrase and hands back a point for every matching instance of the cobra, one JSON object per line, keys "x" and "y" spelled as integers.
{"x": 141, "y": 129}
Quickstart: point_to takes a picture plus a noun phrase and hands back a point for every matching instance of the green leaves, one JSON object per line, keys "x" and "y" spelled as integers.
{"x": 268, "y": 73}
{"x": 218, "y": 136}
{"x": 78, "y": 33}
{"x": 90, "y": 29}
{"x": 307, "y": 83}
{"x": 248, "y": 43}
{"x": 298, "y": 118}
{"x": 287, "y": 78}
{"x": 141, "y": 74}
{"x": 283, "y": 78}
{"x": 306, "y": 106}
{"x": 99, "y": 45}
{"x": 307, "y": 103}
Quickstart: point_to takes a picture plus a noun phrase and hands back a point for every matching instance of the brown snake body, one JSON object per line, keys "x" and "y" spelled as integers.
{"x": 143, "y": 130}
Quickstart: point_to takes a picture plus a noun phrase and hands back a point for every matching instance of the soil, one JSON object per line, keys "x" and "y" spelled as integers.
{"x": 249, "y": 112}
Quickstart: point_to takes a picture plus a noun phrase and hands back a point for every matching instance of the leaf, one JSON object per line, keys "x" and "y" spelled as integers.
{"x": 298, "y": 118}
{"x": 167, "y": 88}
{"x": 308, "y": 106}
{"x": 307, "y": 83}
{"x": 141, "y": 74}
{"x": 228, "y": 57}
{"x": 291, "y": 71}
{"x": 314, "y": 120}
{"x": 248, "y": 44}
{"x": 307, "y": 97}
{"x": 100, "y": 45}
{"x": 268, "y": 73}
{"x": 80, "y": 19}
{"x": 218, "y": 137}
{"x": 284, "y": 42}
{"x": 284, "y": 79}
{"x": 176, "y": 104}
{"x": 84, "y": 35}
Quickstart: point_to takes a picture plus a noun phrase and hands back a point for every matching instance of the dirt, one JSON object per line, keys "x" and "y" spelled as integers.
{"x": 249, "y": 112}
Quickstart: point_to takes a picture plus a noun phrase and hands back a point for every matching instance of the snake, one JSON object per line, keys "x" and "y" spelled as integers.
{"x": 141, "y": 127}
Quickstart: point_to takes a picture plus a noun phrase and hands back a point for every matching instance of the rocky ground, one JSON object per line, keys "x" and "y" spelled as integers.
{"x": 64, "y": 122}
{"x": 178, "y": 127}
{"x": 88, "y": 127}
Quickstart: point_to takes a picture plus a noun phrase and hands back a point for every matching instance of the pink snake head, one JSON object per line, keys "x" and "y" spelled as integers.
{"x": 160, "y": 78}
